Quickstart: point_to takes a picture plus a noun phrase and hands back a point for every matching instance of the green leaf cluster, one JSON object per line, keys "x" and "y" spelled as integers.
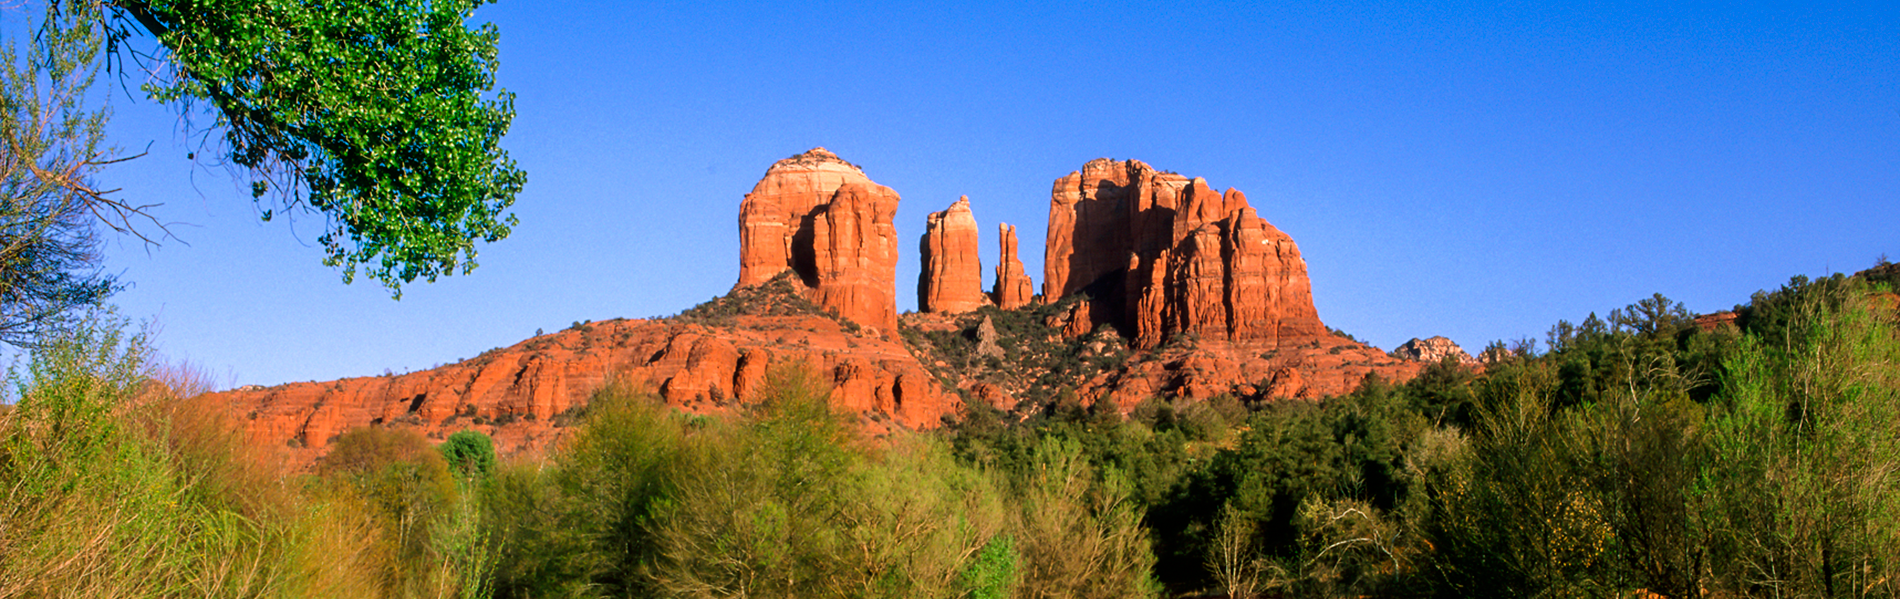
{"x": 375, "y": 115}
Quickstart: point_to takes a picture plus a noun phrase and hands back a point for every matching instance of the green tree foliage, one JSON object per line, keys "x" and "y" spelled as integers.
{"x": 788, "y": 505}
{"x": 49, "y": 150}
{"x": 586, "y": 522}
{"x": 1578, "y": 476}
{"x": 469, "y": 453}
{"x": 375, "y": 115}
{"x": 1511, "y": 517}
{"x": 996, "y": 571}
{"x": 1640, "y": 455}
{"x": 1081, "y": 533}
{"x": 1806, "y": 501}
{"x": 785, "y": 500}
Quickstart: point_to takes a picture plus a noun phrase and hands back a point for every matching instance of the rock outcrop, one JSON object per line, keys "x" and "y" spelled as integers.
{"x": 952, "y": 279}
{"x": 1711, "y": 322}
{"x": 822, "y": 218}
{"x": 709, "y": 360}
{"x": 1039, "y": 354}
{"x": 1432, "y": 350}
{"x": 1013, "y": 288}
{"x": 1160, "y": 254}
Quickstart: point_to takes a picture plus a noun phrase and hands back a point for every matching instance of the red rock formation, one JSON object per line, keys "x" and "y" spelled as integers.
{"x": 1432, "y": 350}
{"x": 1209, "y": 298}
{"x": 1710, "y": 322}
{"x": 1326, "y": 367}
{"x": 1013, "y": 288}
{"x": 1177, "y": 257}
{"x": 1185, "y": 368}
{"x": 521, "y": 395}
{"x": 1090, "y": 230}
{"x": 952, "y": 280}
{"x": 819, "y": 216}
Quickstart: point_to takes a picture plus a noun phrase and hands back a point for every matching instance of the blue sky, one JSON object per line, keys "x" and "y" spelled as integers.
{"x": 1474, "y": 171}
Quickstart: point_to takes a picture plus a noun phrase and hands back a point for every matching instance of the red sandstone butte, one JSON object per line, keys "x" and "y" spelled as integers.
{"x": 1013, "y": 288}
{"x": 819, "y": 216}
{"x": 952, "y": 279}
{"x": 1160, "y": 254}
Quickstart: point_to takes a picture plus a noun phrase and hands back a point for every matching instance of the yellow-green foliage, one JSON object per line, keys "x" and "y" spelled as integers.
{"x": 1513, "y": 515}
{"x": 1081, "y": 536}
{"x": 790, "y": 500}
{"x": 1803, "y": 494}
{"x": 1644, "y": 455}
{"x": 111, "y": 485}
{"x": 401, "y": 489}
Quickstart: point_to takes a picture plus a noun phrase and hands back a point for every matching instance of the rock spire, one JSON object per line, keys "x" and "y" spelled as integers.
{"x": 952, "y": 278}
{"x": 1013, "y": 288}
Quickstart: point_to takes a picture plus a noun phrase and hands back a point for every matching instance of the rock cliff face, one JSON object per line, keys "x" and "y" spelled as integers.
{"x": 952, "y": 280}
{"x": 1159, "y": 254}
{"x": 818, "y": 216}
{"x": 708, "y": 360}
{"x": 1432, "y": 350}
{"x": 1013, "y": 288}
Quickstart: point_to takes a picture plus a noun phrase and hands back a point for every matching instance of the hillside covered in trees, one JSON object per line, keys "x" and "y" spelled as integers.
{"x": 1639, "y": 452}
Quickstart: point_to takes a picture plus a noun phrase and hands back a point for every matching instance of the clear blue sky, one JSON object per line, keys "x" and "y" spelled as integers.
{"x": 1472, "y": 171}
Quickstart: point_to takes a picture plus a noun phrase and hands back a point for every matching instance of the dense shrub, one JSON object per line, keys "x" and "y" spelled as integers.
{"x": 1806, "y": 430}
{"x": 114, "y": 483}
{"x": 469, "y": 453}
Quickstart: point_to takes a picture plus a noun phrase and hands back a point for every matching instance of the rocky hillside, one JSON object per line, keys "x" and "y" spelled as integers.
{"x": 1155, "y": 286}
{"x": 707, "y": 359}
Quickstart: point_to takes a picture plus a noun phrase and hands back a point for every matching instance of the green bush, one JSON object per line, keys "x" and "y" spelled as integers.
{"x": 469, "y": 453}
{"x": 406, "y": 495}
